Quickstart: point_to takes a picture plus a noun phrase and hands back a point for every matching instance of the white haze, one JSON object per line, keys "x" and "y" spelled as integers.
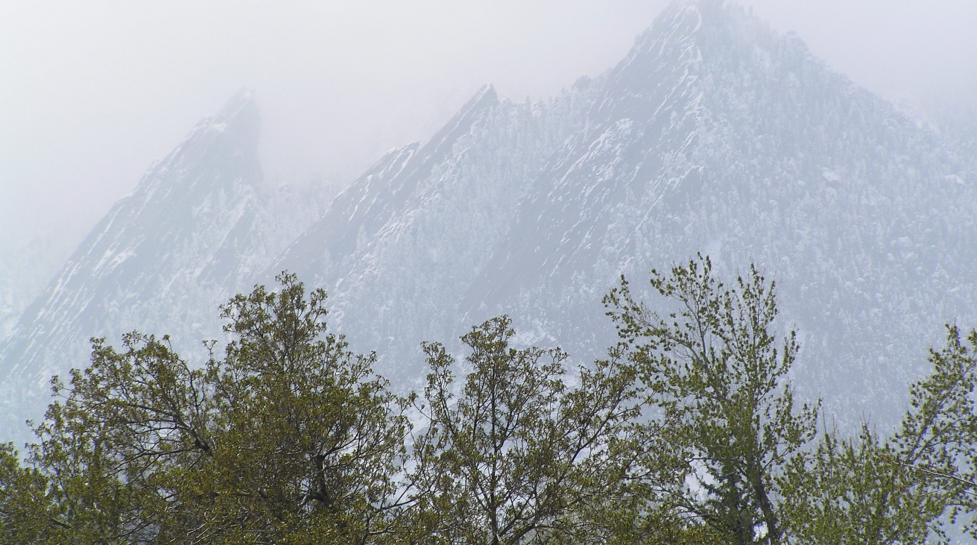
{"x": 92, "y": 92}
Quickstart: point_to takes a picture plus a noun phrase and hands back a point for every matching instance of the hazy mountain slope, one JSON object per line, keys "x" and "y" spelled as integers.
{"x": 961, "y": 129}
{"x": 398, "y": 248}
{"x": 198, "y": 228}
{"x": 717, "y": 135}
{"x": 714, "y": 134}
{"x": 24, "y": 270}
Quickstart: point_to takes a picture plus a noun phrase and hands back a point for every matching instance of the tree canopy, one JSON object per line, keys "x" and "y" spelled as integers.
{"x": 288, "y": 435}
{"x": 687, "y": 432}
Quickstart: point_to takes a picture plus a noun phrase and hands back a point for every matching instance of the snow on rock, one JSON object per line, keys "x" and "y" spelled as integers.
{"x": 713, "y": 134}
{"x": 198, "y": 228}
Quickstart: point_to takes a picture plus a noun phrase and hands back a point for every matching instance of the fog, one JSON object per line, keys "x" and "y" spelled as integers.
{"x": 92, "y": 93}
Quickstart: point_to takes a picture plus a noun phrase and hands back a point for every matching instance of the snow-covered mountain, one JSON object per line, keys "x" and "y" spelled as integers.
{"x": 405, "y": 240}
{"x": 24, "y": 270}
{"x": 713, "y": 135}
{"x": 198, "y": 228}
{"x": 961, "y": 129}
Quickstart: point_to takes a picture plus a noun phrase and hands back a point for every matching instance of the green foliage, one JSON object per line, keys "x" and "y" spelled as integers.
{"x": 517, "y": 456}
{"x": 716, "y": 376}
{"x": 688, "y": 433}
{"x": 898, "y": 489}
{"x": 27, "y": 512}
{"x": 287, "y": 439}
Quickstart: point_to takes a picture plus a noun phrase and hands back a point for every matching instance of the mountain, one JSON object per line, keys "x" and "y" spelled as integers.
{"x": 960, "y": 128}
{"x": 24, "y": 270}
{"x": 714, "y": 134}
{"x": 402, "y": 241}
{"x": 198, "y": 228}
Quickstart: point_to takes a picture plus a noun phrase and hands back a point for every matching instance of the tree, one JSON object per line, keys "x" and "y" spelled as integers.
{"x": 898, "y": 489}
{"x": 687, "y": 433}
{"x": 717, "y": 382}
{"x": 516, "y": 456}
{"x": 289, "y": 438}
{"x": 27, "y": 512}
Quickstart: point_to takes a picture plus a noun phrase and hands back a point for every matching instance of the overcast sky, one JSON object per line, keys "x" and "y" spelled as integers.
{"x": 93, "y": 92}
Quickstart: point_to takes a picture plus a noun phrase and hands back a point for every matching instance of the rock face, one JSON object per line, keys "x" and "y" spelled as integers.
{"x": 713, "y": 135}
{"x": 197, "y": 229}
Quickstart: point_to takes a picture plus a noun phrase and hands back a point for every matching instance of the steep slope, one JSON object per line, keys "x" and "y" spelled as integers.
{"x": 397, "y": 248}
{"x": 198, "y": 228}
{"x": 24, "y": 270}
{"x": 753, "y": 151}
{"x": 714, "y": 134}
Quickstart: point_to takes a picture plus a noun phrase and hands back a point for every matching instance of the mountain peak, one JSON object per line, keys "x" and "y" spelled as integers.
{"x": 238, "y": 116}
{"x": 190, "y": 231}
{"x": 704, "y": 24}
{"x": 241, "y": 103}
{"x": 690, "y": 46}
{"x": 485, "y": 92}
{"x": 221, "y": 151}
{"x": 484, "y": 97}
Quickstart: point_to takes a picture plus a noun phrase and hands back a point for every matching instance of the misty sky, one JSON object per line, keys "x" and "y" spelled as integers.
{"x": 93, "y": 92}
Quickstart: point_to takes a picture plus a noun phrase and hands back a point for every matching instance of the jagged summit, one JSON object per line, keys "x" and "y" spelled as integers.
{"x": 194, "y": 231}
{"x": 373, "y": 201}
{"x": 692, "y": 35}
{"x": 242, "y": 100}
{"x": 714, "y": 134}
{"x": 220, "y": 150}
{"x": 235, "y": 129}
{"x": 239, "y": 116}
{"x": 482, "y": 101}
{"x": 485, "y": 94}
{"x": 695, "y": 19}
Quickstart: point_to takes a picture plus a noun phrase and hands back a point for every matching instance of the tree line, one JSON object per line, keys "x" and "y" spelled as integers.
{"x": 687, "y": 432}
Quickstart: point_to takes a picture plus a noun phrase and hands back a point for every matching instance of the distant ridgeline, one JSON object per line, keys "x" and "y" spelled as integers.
{"x": 714, "y": 134}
